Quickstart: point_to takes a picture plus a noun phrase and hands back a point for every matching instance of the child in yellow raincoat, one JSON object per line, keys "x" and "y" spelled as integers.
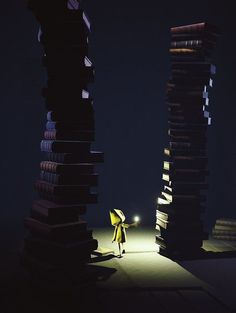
{"x": 119, "y": 236}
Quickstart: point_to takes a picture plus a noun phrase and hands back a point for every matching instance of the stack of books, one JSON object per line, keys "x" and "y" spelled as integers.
{"x": 181, "y": 203}
{"x": 224, "y": 229}
{"x": 58, "y": 236}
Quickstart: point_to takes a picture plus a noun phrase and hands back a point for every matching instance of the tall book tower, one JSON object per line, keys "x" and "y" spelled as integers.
{"x": 182, "y": 201}
{"x": 59, "y": 238}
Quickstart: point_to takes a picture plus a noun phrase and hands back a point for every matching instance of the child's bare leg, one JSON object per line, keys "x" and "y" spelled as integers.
{"x": 123, "y": 249}
{"x": 120, "y": 251}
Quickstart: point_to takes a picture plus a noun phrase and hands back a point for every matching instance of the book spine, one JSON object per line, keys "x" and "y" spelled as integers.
{"x": 188, "y": 28}
{"x": 49, "y": 166}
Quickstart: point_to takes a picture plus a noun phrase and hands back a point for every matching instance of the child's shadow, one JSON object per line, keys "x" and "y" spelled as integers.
{"x": 102, "y": 258}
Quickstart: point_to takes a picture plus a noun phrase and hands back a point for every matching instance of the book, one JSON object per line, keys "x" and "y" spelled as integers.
{"x": 185, "y": 163}
{"x": 204, "y": 81}
{"x": 70, "y": 158}
{"x": 195, "y": 28}
{"x": 90, "y": 198}
{"x": 174, "y": 215}
{"x": 192, "y": 44}
{"x": 185, "y": 152}
{"x": 177, "y": 144}
{"x": 194, "y": 140}
{"x": 182, "y": 208}
{"x": 69, "y": 33}
{"x": 67, "y": 190}
{"x": 203, "y": 67}
{"x": 190, "y": 200}
{"x": 55, "y": 230}
{"x": 224, "y": 227}
{"x": 65, "y": 146}
{"x": 184, "y": 234}
{"x": 190, "y": 126}
{"x": 228, "y": 232}
{"x": 74, "y": 105}
{"x": 69, "y": 179}
{"x": 226, "y": 221}
{"x": 186, "y": 187}
{"x": 225, "y": 237}
{"x": 63, "y": 254}
{"x": 52, "y": 213}
{"x": 69, "y": 135}
{"x": 68, "y": 69}
{"x": 67, "y": 169}
{"x": 73, "y": 126}
{"x": 82, "y": 112}
{"x": 184, "y": 177}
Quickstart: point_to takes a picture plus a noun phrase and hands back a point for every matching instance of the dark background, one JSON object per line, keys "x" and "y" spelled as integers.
{"x": 129, "y": 47}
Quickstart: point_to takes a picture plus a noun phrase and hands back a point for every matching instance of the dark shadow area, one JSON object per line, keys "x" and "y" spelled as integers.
{"x": 102, "y": 258}
{"x": 204, "y": 255}
{"x": 52, "y": 292}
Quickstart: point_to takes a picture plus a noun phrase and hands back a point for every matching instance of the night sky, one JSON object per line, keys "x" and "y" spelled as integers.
{"x": 129, "y": 48}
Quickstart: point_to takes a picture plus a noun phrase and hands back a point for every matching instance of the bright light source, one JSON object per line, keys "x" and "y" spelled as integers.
{"x": 136, "y": 219}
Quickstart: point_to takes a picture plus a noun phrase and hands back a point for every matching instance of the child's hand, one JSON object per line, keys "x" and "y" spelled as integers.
{"x": 136, "y": 224}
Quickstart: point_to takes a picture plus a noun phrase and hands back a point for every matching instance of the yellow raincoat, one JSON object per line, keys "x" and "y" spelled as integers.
{"x": 117, "y": 220}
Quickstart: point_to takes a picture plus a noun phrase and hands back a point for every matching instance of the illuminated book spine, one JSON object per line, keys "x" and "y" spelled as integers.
{"x": 182, "y": 200}
{"x": 58, "y": 237}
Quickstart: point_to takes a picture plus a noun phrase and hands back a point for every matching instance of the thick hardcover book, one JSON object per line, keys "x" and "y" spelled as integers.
{"x": 194, "y": 28}
{"x": 179, "y": 87}
{"x": 167, "y": 206}
{"x": 73, "y": 126}
{"x": 205, "y": 81}
{"x": 226, "y": 221}
{"x": 225, "y": 227}
{"x": 192, "y": 144}
{"x": 60, "y": 253}
{"x": 192, "y": 44}
{"x": 57, "y": 98}
{"x": 174, "y": 215}
{"x": 184, "y": 199}
{"x": 55, "y": 230}
{"x": 69, "y": 70}
{"x": 225, "y": 237}
{"x": 187, "y": 93}
{"x": 173, "y": 243}
{"x": 69, "y": 179}
{"x": 83, "y": 112}
{"x": 67, "y": 169}
{"x": 70, "y": 56}
{"x": 186, "y": 187}
{"x": 185, "y": 163}
{"x": 69, "y": 33}
{"x": 185, "y": 176}
{"x": 182, "y": 97}
{"x": 185, "y": 152}
{"x": 62, "y": 190}
{"x": 190, "y": 126}
{"x": 74, "y": 107}
{"x": 218, "y": 232}
{"x": 178, "y": 223}
{"x": 57, "y": 54}
{"x": 70, "y": 158}
{"x": 69, "y": 135}
{"x": 201, "y": 141}
{"x": 58, "y": 218}
{"x": 187, "y": 133}
{"x": 52, "y": 213}
{"x": 91, "y": 198}
{"x": 63, "y": 146}
{"x": 193, "y": 67}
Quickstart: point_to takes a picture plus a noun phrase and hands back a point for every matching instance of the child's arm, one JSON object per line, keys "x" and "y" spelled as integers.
{"x": 130, "y": 225}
